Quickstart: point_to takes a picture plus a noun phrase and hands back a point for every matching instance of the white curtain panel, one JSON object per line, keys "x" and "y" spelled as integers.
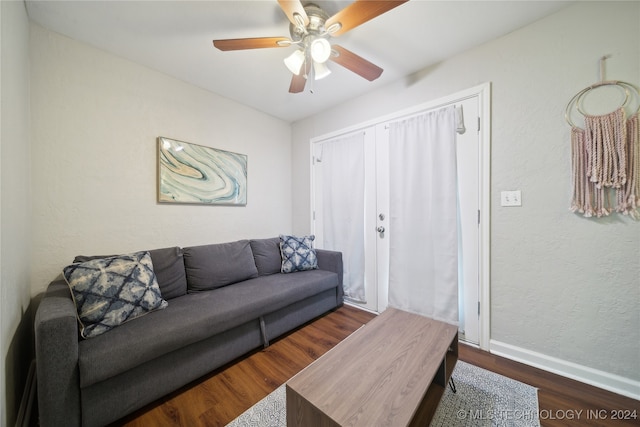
{"x": 423, "y": 264}
{"x": 343, "y": 208}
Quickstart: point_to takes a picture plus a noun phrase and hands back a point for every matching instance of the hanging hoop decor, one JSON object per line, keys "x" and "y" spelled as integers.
{"x": 606, "y": 153}
{"x": 577, "y": 102}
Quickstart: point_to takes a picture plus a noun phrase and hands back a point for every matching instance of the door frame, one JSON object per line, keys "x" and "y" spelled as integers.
{"x": 483, "y": 92}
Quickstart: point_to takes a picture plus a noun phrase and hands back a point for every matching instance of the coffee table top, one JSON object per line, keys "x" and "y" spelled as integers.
{"x": 380, "y": 373}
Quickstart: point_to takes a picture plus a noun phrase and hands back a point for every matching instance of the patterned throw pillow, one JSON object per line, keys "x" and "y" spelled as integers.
{"x": 110, "y": 291}
{"x": 297, "y": 253}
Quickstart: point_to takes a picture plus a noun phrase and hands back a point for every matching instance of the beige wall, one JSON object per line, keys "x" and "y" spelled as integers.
{"x": 95, "y": 120}
{"x": 564, "y": 289}
{"x": 15, "y": 208}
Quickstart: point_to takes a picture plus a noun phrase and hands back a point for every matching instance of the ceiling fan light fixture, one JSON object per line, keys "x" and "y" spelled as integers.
{"x": 320, "y": 70}
{"x": 294, "y": 62}
{"x": 320, "y": 50}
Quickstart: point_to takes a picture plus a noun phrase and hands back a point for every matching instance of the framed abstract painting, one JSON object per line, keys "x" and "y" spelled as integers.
{"x": 190, "y": 173}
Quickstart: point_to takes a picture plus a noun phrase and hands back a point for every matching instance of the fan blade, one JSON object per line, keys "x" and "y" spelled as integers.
{"x": 293, "y": 8}
{"x": 297, "y": 83}
{"x": 358, "y": 13}
{"x": 355, "y": 63}
{"x": 252, "y": 43}
{"x": 299, "y": 80}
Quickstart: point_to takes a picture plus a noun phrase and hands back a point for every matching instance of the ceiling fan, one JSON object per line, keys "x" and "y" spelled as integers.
{"x": 311, "y": 29}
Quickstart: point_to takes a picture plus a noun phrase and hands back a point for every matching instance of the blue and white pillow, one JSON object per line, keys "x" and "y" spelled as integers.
{"x": 297, "y": 253}
{"x": 113, "y": 290}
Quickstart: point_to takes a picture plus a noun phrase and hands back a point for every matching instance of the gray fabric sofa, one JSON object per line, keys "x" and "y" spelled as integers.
{"x": 224, "y": 300}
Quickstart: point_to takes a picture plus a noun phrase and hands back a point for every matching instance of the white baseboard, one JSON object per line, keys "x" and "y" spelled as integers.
{"x": 355, "y": 305}
{"x": 605, "y": 380}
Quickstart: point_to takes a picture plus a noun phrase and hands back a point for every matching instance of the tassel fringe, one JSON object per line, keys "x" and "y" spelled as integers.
{"x": 605, "y": 159}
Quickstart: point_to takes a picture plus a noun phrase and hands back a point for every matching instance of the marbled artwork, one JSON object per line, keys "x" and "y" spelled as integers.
{"x": 190, "y": 173}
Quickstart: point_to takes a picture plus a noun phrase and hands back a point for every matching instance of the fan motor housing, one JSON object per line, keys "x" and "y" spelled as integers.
{"x": 317, "y": 18}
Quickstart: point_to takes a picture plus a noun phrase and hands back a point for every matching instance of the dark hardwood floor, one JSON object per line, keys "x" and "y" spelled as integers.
{"x": 220, "y": 397}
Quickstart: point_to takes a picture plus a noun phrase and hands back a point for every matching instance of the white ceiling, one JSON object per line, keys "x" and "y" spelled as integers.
{"x": 175, "y": 37}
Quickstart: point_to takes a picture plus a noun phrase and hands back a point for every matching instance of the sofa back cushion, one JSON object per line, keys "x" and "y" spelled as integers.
{"x": 213, "y": 266}
{"x": 168, "y": 264}
{"x": 266, "y": 254}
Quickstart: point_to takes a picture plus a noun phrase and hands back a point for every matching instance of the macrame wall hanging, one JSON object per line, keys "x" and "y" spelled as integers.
{"x": 605, "y": 153}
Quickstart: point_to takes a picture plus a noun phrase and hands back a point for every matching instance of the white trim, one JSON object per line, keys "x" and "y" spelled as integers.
{"x": 359, "y": 307}
{"x": 484, "y": 93}
{"x": 605, "y": 380}
{"x": 312, "y": 191}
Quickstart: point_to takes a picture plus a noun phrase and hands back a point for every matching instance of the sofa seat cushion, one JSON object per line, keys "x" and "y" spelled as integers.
{"x": 192, "y": 318}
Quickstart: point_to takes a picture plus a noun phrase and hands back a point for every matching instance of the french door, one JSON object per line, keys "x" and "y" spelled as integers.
{"x": 350, "y": 178}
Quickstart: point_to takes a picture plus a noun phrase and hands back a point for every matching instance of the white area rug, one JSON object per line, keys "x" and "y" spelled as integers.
{"x": 483, "y": 398}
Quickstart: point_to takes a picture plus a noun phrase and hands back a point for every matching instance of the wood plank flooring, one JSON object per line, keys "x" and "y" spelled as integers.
{"x": 219, "y": 398}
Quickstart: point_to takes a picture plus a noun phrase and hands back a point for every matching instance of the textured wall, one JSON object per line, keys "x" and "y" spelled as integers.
{"x": 95, "y": 120}
{"x": 561, "y": 285}
{"x": 15, "y": 212}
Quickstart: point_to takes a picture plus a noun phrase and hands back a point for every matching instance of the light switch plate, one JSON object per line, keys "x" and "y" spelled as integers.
{"x": 511, "y": 198}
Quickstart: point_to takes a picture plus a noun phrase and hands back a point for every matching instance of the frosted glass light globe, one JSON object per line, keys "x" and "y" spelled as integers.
{"x": 320, "y": 50}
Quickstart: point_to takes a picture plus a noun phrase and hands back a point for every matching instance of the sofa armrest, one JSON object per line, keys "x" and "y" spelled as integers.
{"x": 332, "y": 261}
{"x": 56, "y": 340}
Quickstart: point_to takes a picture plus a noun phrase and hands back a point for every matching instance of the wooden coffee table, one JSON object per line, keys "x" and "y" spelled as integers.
{"x": 390, "y": 372}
